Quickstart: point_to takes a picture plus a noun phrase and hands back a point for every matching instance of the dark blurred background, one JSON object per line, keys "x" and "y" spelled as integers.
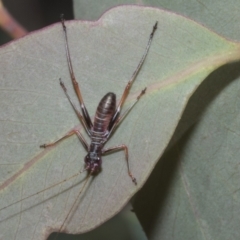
{"x": 36, "y": 14}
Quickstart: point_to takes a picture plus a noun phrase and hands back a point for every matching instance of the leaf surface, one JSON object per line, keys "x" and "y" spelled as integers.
{"x": 34, "y": 110}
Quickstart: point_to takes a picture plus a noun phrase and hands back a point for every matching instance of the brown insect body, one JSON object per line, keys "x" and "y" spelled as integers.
{"x": 100, "y": 131}
{"x": 104, "y": 114}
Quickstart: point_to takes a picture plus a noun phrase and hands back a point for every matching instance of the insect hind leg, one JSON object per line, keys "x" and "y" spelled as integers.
{"x": 81, "y": 118}
{"x": 115, "y": 123}
{"x": 137, "y": 70}
{"x": 74, "y": 81}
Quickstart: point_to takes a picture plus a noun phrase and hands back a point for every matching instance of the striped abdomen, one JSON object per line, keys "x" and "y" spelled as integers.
{"x": 105, "y": 111}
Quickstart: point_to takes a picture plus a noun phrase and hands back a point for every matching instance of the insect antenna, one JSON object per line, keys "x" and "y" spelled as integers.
{"x": 73, "y": 205}
{"x": 45, "y": 189}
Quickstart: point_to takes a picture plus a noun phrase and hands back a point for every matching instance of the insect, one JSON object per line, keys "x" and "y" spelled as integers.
{"x": 107, "y": 117}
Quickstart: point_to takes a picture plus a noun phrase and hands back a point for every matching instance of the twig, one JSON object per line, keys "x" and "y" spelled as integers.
{"x": 9, "y": 24}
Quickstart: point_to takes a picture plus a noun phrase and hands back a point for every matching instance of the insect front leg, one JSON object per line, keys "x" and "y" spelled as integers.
{"x": 74, "y": 81}
{"x": 118, "y": 148}
{"x": 80, "y": 136}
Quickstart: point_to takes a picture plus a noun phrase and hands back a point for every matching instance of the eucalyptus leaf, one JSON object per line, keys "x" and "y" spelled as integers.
{"x": 34, "y": 110}
{"x": 217, "y": 15}
{"x": 194, "y": 188}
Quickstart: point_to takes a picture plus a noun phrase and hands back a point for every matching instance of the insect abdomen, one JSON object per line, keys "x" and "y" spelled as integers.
{"x": 105, "y": 110}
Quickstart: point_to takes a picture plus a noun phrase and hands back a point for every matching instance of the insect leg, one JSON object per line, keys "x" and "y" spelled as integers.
{"x": 74, "y": 81}
{"x": 118, "y": 121}
{"x": 80, "y": 136}
{"x": 81, "y": 118}
{"x": 118, "y": 148}
{"x": 130, "y": 82}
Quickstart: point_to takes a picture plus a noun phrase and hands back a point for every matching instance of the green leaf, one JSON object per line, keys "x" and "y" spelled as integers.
{"x": 217, "y": 15}
{"x": 34, "y": 110}
{"x": 194, "y": 189}
{"x": 222, "y": 18}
